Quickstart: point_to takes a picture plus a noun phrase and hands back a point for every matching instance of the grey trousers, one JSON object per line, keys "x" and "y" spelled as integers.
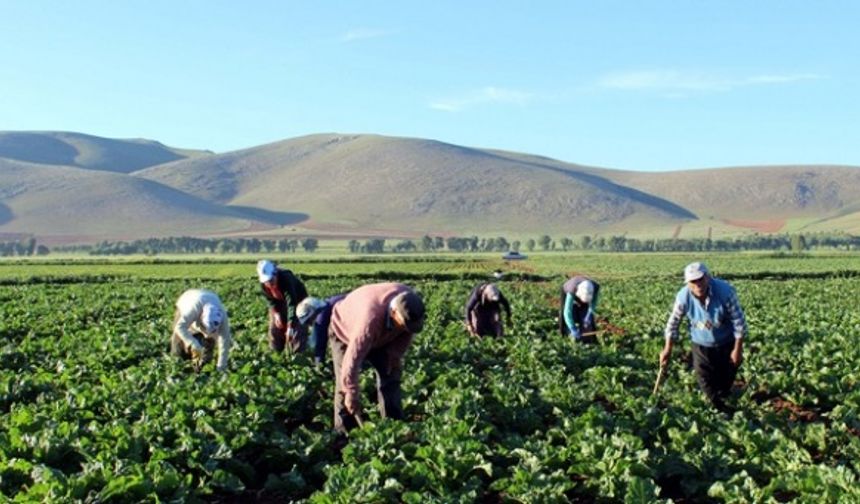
{"x": 387, "y": 385}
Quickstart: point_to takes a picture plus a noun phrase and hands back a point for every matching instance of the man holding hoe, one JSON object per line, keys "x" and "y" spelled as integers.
{"x": 717, "y": 331}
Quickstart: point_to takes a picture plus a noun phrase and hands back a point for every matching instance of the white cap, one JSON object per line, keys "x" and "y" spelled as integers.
{"x": 585, "y": 291}
{"x": 695, "y": 271}
{"x": 211, "y": 317}
{"x": 308, "y": 308}
{"x": 265, "y": 270}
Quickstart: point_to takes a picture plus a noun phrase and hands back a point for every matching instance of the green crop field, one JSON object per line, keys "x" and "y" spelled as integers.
{"x": 93, "y": 409}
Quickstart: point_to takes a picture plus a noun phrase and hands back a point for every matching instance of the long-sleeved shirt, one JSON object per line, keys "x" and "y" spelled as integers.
{"x": 575, "y": 312}
{"x": 190, "y": 307}
{"x": 361, "y": 320}
{"x": 319, "y": 331}
{"x": 485, "y": 311}
{"x": 712, "y": 322}
{"x": 289, "y": 291}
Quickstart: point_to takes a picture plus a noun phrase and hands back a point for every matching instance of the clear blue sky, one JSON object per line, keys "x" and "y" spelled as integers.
{"x": 641, "y": 85}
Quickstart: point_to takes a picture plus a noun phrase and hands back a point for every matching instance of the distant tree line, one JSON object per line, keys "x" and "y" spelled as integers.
{"x": 24, "y": 248}
{"x": 190, "y": 245}
{"x": 615, "y": 243}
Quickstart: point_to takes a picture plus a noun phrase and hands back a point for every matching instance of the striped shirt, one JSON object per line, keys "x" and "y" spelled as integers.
{"x": 712, "y": 322}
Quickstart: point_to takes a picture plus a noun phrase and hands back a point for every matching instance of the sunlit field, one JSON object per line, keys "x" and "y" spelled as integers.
{"x": 95, "y": 409}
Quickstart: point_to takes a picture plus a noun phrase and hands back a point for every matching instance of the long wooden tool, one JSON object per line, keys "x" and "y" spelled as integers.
{"x": 660, "y": 375}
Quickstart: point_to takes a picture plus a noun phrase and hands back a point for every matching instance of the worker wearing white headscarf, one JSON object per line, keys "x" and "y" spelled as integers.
{"x": 578, "y": 304}
{"x": 201, "y": 324}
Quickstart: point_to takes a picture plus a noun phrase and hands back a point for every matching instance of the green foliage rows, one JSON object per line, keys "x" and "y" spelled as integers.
{"x": 95, "y": 410}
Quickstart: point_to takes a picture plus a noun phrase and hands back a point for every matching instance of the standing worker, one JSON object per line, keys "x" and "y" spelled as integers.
{"x": 484, "y": 311}
{"x": 717, "y": 331}
{"x": 200, "y": 323}
{"x": 318, "y": 311}
{"x": 376, "y": 323}
{"x": 283, "y": 291}
{"x": 578, "y": 303}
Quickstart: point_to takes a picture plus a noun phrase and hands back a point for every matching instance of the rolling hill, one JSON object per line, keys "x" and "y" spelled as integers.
{"x": 375, "y": 182}
{"x": 61, "y": 184}
{"x": 63, "y": 201}
{"x": 87, "y": 151}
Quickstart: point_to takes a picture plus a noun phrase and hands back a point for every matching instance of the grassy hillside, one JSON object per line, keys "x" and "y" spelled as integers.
{"x": 86, "y": 151}
{"x": 56, "y": 201}
{"x": 375, "y": 182}
{"x": 753, "y": 193}
{"x": 360, "y": 185}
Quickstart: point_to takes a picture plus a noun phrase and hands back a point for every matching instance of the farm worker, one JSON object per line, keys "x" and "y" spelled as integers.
{"x": 578, "y": 303}
{"x": 200, "y": 323}
{"x": 318, "y": 311}
{"x": 373, "y": 323}
{"x": 717, "y": 330}
{"x": 283, "y": 290}
{"x": 484, "y": 311}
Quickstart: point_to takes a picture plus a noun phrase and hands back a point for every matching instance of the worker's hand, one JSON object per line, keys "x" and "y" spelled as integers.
{"x": 575, "y": 334}
{"x": 664, "y": 356}
{"x": 292, "y": 331}
{"x": 737, "y": 357}
{"x": 350, "y": 403}
{"x": 196, "y": 349}
{"x": 279, "y": 322}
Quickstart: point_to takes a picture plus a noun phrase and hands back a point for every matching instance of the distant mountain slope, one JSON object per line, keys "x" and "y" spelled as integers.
{"x": 756, "y": 192}
{"x": 86, "y": 151}
{"x": 360, "y": 185}
{"x": 61, "y": 200}
{"x": 369, "y": 181}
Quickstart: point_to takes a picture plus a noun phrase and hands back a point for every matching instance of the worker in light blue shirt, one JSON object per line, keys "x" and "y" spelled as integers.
{"x": 717, "y": 331}
{"x": 578, "y": 304}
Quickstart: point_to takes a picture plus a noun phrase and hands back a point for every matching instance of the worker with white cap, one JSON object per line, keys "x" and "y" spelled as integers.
{"x": 317, "y": 311}
{"x": 484, "y": 311}
{"x": 283, "y": 291}
{"x": 201, "y": 323}
{"x": 717, "y": 331}
{"x": 578, "y": 304}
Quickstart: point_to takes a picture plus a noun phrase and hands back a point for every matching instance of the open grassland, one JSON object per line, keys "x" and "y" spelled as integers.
{"x": 93, "y": 409}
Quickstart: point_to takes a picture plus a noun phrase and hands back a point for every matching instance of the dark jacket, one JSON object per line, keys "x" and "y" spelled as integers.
{"x": 485, "y": 312}
{"x": 290, "y": 292}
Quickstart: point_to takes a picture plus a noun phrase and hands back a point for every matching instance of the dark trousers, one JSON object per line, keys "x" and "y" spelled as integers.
{"x": 278, "y": 336}
{"x": 387, "y": 385}
{"x": 487, "y": 323}
{"x": 714, "y": 371}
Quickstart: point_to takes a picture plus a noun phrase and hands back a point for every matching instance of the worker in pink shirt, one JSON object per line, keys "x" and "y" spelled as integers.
{"x": 375, "y": 323}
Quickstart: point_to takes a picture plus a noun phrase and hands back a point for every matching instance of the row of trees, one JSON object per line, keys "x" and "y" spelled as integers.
{"x": 24, "y": 248}
{"x": 795, "y": 242}
{"x": 190, "y": 245}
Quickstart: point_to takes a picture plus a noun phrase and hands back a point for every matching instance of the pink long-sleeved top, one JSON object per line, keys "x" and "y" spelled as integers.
{"x": 362, "y": 321}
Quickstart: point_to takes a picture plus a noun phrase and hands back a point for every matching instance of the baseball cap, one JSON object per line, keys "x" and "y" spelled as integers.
{"x": 265, "y": 270}
{"x": 411, "y": 308}
{"x": 695, "y": 271}
{"x": 308, "y": 308}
